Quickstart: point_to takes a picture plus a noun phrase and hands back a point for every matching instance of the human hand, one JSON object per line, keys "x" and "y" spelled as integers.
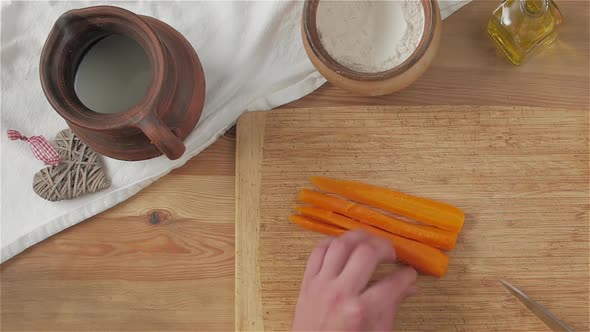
{"x": 334, "y": 294}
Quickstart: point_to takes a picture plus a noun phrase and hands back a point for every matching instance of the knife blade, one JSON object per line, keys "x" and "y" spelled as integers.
{"x": 541, "y": 312}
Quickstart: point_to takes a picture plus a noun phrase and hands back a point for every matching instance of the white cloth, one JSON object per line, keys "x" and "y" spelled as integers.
{"x": 253, "y": 59}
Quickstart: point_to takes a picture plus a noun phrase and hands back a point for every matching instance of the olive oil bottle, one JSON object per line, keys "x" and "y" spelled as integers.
{"x": 523, "y": 27}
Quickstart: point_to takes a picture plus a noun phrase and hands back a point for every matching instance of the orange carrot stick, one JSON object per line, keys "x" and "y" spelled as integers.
{"x": 316, "y": 226}
{"x": 431, "y": 212}
{"x": 423, "y": 257}
{"x": 426, "y": 234}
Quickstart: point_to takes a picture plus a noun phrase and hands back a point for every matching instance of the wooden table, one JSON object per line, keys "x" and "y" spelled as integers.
{"x": 164, "y": 259}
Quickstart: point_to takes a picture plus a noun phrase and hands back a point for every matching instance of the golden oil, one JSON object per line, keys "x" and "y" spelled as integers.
{"x": 522, "y": 27}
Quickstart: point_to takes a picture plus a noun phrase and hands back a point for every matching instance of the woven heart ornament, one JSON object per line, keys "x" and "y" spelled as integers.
{"x": 80, "y": 171}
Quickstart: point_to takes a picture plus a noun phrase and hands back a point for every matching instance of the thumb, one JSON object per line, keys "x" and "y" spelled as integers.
{"x": 385, "y": 296}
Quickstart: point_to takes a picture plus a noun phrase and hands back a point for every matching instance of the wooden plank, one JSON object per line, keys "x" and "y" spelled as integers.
{"x": 519, "y": 173}
{"x": 248, "y": 316}
{"x": 163, "y": 260}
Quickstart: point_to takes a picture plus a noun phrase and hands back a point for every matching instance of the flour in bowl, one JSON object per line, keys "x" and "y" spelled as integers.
{"x": 370, "y": 36}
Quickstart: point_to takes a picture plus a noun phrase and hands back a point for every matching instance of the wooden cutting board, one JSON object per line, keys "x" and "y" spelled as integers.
{"x": 520, "y": 174}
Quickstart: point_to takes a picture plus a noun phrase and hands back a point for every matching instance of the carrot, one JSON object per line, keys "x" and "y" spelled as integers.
{"x": 316, "y": 226}
{"x": 423, "y": 257}
{"x": 428, "y": 211}
{"x": 426, "y": 234}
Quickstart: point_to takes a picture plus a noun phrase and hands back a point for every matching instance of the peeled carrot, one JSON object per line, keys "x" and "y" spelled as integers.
{"x": 428, "y": 211}
{"x": 423, "y": 257}
{"x": 426, "y": 234}
{"x": 316, "y": 226}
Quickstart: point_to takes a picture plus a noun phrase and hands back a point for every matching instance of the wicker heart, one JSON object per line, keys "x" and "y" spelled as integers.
{"x": 80, "y": 171}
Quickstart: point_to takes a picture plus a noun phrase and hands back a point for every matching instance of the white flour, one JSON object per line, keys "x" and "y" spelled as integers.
{"x": 370, "y": 36}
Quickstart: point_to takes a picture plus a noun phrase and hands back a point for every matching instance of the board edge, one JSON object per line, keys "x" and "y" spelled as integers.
{"x": 248, "y": 301}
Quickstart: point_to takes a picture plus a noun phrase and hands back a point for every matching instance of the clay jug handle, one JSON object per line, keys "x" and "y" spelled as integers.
{"x": 162, "y": 137}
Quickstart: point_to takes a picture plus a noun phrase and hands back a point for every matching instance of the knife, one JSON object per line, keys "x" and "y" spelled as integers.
{"x": 541, "y": 312}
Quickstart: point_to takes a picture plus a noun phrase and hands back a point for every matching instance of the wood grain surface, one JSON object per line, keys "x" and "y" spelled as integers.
{"x": 520, "y": 175}
{"x": 247, "y": 285}
{"x": 163, "y": 260}
{"x": 120, "y": 271}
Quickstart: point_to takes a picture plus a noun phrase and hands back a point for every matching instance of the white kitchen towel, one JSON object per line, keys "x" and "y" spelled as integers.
{"x": 253, "y": 59}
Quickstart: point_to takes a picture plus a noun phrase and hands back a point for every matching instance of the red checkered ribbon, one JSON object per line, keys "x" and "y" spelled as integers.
{"x": 39, "y": 145}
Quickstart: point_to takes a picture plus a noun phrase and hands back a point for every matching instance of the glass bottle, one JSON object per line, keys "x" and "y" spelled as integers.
{"x": 522, "y": 27}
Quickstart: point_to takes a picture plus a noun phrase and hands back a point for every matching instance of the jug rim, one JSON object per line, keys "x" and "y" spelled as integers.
{"x": 62, "y": 54}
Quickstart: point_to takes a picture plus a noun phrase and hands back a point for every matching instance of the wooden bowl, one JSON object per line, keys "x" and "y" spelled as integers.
{"x": 373, "y": 84}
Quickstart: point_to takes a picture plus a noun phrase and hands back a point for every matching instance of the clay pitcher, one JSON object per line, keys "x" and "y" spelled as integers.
{"x": 168, "y": 111}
